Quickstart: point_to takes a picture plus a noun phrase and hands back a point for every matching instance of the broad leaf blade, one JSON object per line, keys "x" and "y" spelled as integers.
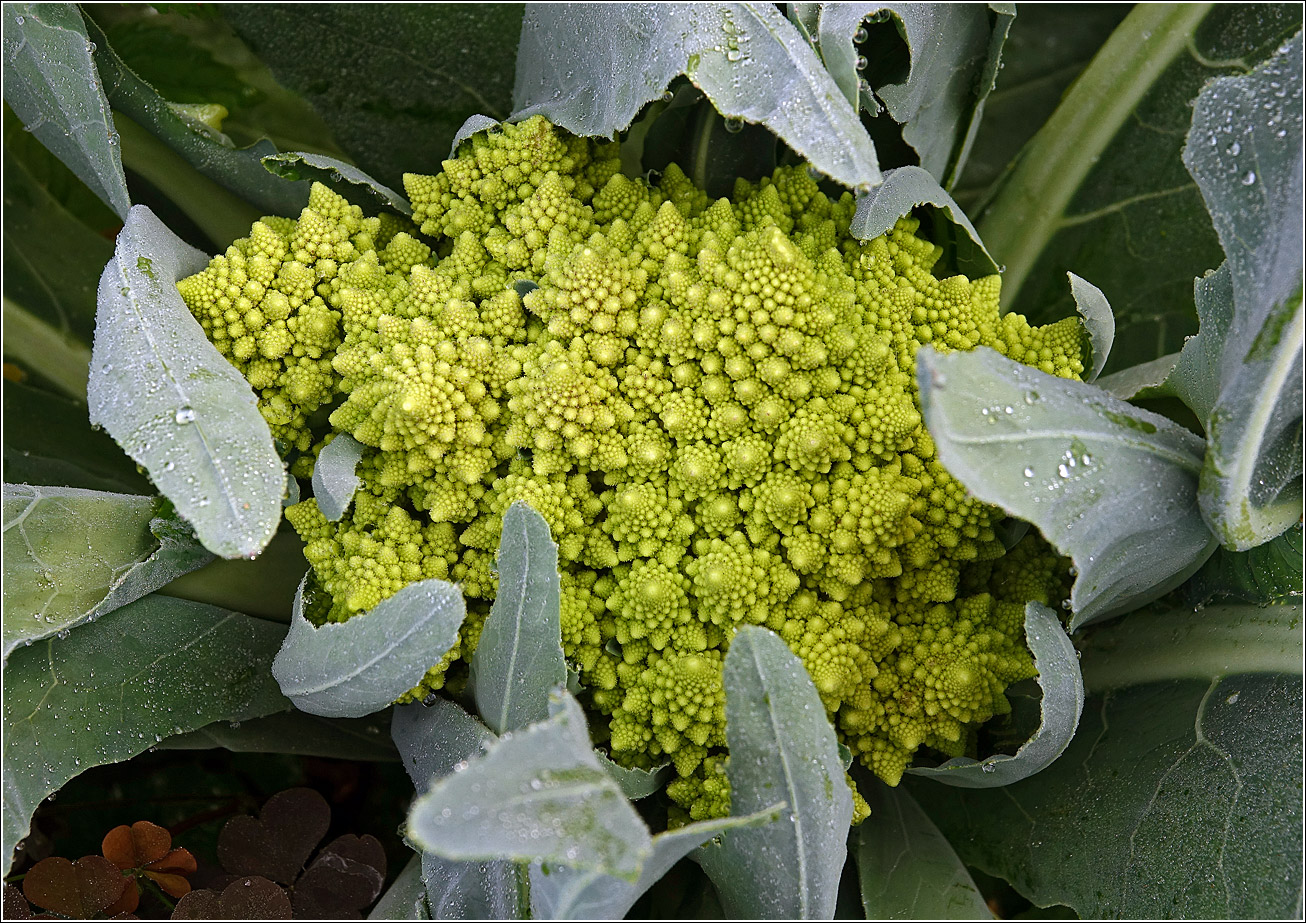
{"x": 1102, "y": 179}
{"x": 955, "y": 50}
{"x": 434, "y": 740}
{"x": 591, "y": 68}
{"x": 1269, "y": 573}
{"x": 907, "y": 868}
{"x": 1179, "y": 797}
{"x": 212, "y": 154}
{"x": 297, "y": 732}
{"x": 57, "y": 284}
{"x": 49, "y": 442}
{"x": 1099, "y": 322}
{"x": 353, "y": 668}
{"x": 52, "y": 84}
{"x": 519, "y": 658}
{"x": 173, "y": 403}
{"x": 1061, "y": 705}
{"x": 393, "y": 111}
{"x": 904, "y": 189}
{"x": 1111, "y": 486}
{"x": 72, "y": 555}
{"x": 560, "y": 893}
{"x": 335, "y": 477}
{"x": 537, "y": 794}
{"x": 783, "y": 748}
{"x": 117, "y": 686}
{"x": 1245, "y": 151}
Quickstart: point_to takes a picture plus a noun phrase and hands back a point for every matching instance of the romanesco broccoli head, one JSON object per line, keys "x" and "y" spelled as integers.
{"x": 711, "y": 403}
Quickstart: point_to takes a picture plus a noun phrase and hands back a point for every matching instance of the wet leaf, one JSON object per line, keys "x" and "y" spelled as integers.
{"x": 782, "y": 748}
{"x": 334, "y": 476}
{"x": 353, "y": 668}
{"x": 345, "y": 877}
{"x": 116, "y": 686}
{"x": 592, "y": 68}
{"x": 519, "y": 656}
{"x": 1269, "y": 573}
{"x": 907, "y": 868}
{"x": 955, "y": 50}
{"x": 251, "y": 898}
{"x": 1111, "y": 486}
{"x": 136, "y": 846}
{"x": 278, "y": 842}
{"x": 1245, "y": 152}
{"x": 72, "y": 555}
{"x": 52, "y": 84}
{"x": 405, "y": 899}
{"x": 1099, "y": 323}
{"x": 906, "y": 188}
{"x": 78, "y": 889}
{"x": 174, "y": 404}
{"x": 539, "y": 793}
{"x": 394, "y": 112}
{"x": 1061, "y": 705}
{"x": 297, "y": 732}
{"x": 299, "y": 165}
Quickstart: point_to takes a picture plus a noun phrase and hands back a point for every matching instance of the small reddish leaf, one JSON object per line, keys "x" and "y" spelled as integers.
{"x": 346, "y": 876}
{"x": 130, "y": 900}
{"x": 78, "y": 889}
{"x": 15, "y": 905}
{"x": 176, "y": 862}
{"x": 279, "y": 841}
{"x": 136, "y": 846}
{"x": 174, "y": 885}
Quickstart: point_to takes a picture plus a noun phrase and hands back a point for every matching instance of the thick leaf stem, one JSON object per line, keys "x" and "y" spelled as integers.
{"x": 1052, "y": 167}
{"x": 57, "y": 357}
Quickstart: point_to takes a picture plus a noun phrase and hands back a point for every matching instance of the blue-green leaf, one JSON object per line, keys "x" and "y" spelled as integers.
{"x": 1061, "y": 705}
{"x": 433, "y": 741}
{"x": 405, "y": 899}
{"x": 907, "y": 869}
{"x": 538, "y": 793}
{"x": 1245, "y": 151}
{"x": 1269, "y": 573}
{"x": 519, "y": 658}
{"x": 353, "y": 668}
{"x": 782, "y": 748}
{"x": 117, "y": 686}
{"x": 173, "y": 402}
{"x": 636, "y": 783}
{"x": 335, "y": 477}
{"x": 591, "y": 67}
{"x": 955, "y": 51}
{"x": 1099, "y": 323}
{"x": 53, "y": 86}
{"x": 560, "y": 893}
{"x": 72, "y": 555}
{"x": 1180, "y": 797}
{"x": 904, "y": 189}
{"x": 1111, "y": 486}
{"x": 300, "y": 165}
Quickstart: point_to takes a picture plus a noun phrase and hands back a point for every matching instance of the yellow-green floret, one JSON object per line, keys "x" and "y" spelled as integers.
{"x": 712, "y": 404}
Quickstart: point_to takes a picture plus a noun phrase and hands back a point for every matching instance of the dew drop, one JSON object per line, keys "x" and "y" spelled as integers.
{"x": 734, "y": 126}
{"x": 861, "y": 35}
{"x": 1031, "y": 397}
{"x": 1249, "y": 179}
{"x": 1029, "y": 472}
{"x": 861, "y": 62}
{"x": 185, "y": 415}
{"x": 1063, "y": 471}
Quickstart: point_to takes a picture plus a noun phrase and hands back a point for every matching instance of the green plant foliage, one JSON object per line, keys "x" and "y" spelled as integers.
{"x": 726, "y": 49}
{"x": 295, "y": 732}
{"x": 1269, "y": 573}
{"x": 53, "y": 85}
{"x": 386, "y": 78}
{"x": 1245, "y": 151}
{"x": 71, "y": 555}
{"x": 351, "y": 669}
{"x": 1178, "y": 797}
{"x": 906, "y": 868}
{"x": 782, "y": 747}
{"x": 519, "y": 659}
{"x": 1061, "y": 704}
{"x": 195, "y": 428}
{"x": 334, "y": 475}
{"x": 117, "y": 685}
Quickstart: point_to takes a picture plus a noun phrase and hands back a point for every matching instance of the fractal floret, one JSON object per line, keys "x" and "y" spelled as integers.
{"x": 712, "y": 403}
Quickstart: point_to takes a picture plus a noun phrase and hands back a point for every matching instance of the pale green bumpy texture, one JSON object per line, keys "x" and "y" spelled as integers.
{"x": 712, "y": 404}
